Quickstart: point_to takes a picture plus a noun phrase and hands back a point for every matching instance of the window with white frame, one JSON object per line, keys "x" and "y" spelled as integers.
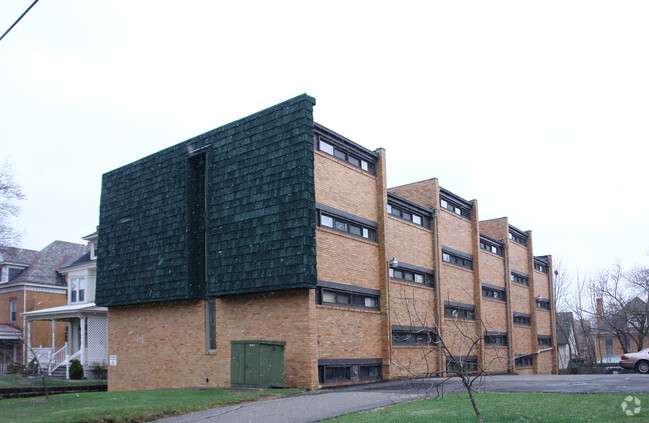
{"x": 12, "y": 311}
{"x": 77, "y": 289}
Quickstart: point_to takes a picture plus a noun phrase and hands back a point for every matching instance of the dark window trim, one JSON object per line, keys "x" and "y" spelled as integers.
{"x": 352, "y": 369}
{"x": 462, "y": 360}
{"x": 490, "y": 287}
{"x": 429, "y": 274}
{"x": 344, "y": 217}
{"x": 542, "y": 303}
{"x": 461, "y": 308}
{"x": 467, "y": 259}
{"x": 520, "y": 277}
{"x": 490, "y": 336}
{"x": 518, "y": 360}
{"x": 490, "y": 242}
{"x": 527, "y": 318}
{"x": 347, "y": 146}
{"x": 457, "y": 201}
{"x": 413, "y": 208}
{"x": 348, "y": 290}
{"x": 544, "y": 340}
{"x": 518, "y": 236}
{"x": 431, "y": 335}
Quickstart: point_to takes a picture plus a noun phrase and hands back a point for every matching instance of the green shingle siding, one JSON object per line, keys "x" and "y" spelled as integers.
{"x": 260, "y": 213}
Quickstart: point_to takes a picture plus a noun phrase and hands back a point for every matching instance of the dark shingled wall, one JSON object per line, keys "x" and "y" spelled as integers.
{"x": 260, "y": 213}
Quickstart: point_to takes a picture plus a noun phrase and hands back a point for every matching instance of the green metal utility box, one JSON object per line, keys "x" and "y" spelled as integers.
{"x": 257, "y": 364}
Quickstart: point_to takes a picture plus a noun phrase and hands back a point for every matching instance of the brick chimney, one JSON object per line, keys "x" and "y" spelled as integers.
{"x": 600, "y": 312}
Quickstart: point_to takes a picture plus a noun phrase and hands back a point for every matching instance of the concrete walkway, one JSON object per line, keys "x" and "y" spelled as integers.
{"x": 330, "y": 403}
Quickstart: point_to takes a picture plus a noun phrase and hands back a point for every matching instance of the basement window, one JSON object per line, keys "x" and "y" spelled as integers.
{"x": 352, "y": 370}
{"x": 523, "y": 361}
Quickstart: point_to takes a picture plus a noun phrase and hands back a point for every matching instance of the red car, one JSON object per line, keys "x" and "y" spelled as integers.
{"x": 638, "y": 361}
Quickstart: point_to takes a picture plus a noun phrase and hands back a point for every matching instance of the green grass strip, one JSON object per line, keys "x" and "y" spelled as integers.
{"x": 127, "y": 406}
{"x": 504, "y": 407}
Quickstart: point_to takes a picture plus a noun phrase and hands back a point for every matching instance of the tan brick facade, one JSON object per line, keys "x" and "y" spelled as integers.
{"x": 164, "y": 345}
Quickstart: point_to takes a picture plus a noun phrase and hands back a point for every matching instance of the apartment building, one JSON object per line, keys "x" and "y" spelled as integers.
{"x": 274, "y": 230}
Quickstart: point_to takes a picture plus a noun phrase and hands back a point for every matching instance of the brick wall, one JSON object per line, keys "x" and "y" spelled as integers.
{"x": 164, "y": 344}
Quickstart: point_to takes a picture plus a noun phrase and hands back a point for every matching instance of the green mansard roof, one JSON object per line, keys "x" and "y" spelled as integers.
{"x": 258, "y": 215}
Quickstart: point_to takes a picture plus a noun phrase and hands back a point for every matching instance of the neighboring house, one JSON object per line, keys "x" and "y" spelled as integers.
{"x": 566, "y": 341}
{"x": 274, "y": 233}
{"x": 32, "y": 280}
{"x": 619, "y": 330}
{"x": 86, "y": 331}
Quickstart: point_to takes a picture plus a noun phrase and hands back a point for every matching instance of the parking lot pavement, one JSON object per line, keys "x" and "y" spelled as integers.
{"x": 330, "y": 403}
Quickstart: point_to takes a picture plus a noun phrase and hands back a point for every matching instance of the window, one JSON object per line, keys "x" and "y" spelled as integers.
{"x": 455, "y": 204}
{"x": 520, "y": 278}
{"x": 494, "y": 292}
{"x": 523, "y": 361}
{"x": 492, "y": 246}
{"x": 459, "y": 311}
{"x": 343, "y": 224}
{"x": 518, "y": 236}
{"x": 522, "y": 319}
{"x": 457, "y": 258}
{"x": 341, "y": 370}
{"x": 543, "y": 303}
{"x": 495, "y": 339}
{"x": 468, "y": 363}
{"x": 8, "y": 273}
{"x": 544, "y": 340}
{"x": 423, "y": 277}
{"x": 210, "y": 325}
{"x": 406, "y": 215}
{"x": 346, "y": 153}
{"x": 543, "y": 268}
{"x": 12, "y": 311}
{"x": 408, "y": 335}
{"x": 77, "y": 289}
{"x": 608, "y": 345}
{"x": 336, "y": 294}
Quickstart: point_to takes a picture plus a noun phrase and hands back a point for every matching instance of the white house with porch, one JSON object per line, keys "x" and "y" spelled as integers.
{"x": 87, "y": 329}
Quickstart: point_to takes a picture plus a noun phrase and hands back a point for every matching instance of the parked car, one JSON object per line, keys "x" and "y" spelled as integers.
{"x": 638, "y": 361}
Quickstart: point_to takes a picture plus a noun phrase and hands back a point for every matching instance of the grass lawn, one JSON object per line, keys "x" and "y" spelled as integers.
{"x": 11, "y": 381}
{"x": 129, "y": 406}
{"x": 497, "y": 407}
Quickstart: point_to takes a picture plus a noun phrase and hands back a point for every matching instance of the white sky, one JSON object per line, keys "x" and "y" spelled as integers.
{"x": 537, "y": 109}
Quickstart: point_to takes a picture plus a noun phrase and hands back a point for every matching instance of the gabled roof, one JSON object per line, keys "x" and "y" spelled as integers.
{"x": 84, "y": 259}
{"x": 564, "y": 327}
{"x": 13, "y": 255}
{"x": 45, "y": 265}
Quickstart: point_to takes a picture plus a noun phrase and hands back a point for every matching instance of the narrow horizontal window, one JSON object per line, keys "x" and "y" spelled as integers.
{"x": 540, "y": 267}
{"x": 495, "y": 340}
{"x": 523, "y": 361}
{"x": 494, "y": 293}
{"x": 455, "y": 208}
{"x": 337, "y": 371}
{"x": 544, "y": 341}
{"x": 346, "y": 154}
{"x": 346, "y": 297}
{"x": 459, "y": 311}
{"x": 465, "y": 261}
{"x": 543, "y": 303}
{"x": 416, "y": 277}
{"x": 345, "y": 225}
{"x": 520, "y": 278}
{"x": 518, "y": 238}
{"x": 406, "y": 215}
{"x": 459, "y": 364}
{"x": 492, "y": 247}
{"x": 522, "y": 319}
{"x": 413, "y": 336}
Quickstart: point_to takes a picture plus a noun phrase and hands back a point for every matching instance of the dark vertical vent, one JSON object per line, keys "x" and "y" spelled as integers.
{"x": 196, "y": 225}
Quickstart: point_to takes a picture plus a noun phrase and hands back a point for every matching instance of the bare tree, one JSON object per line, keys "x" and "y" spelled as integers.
{"x": 562, "y": 286}
{"x": 416, "y": 325}
{"x": 10, "y": 193}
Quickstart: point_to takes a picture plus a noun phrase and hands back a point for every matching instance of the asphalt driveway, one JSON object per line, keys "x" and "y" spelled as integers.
{"x": 330, "y": 403}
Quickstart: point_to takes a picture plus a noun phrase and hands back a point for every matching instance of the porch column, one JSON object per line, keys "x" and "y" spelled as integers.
{"x": 53, "y": 336}
{"x": 82, "y": 329}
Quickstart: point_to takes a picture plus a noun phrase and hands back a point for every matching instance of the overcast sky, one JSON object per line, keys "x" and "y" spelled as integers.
{"x": 539, "y": 110}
